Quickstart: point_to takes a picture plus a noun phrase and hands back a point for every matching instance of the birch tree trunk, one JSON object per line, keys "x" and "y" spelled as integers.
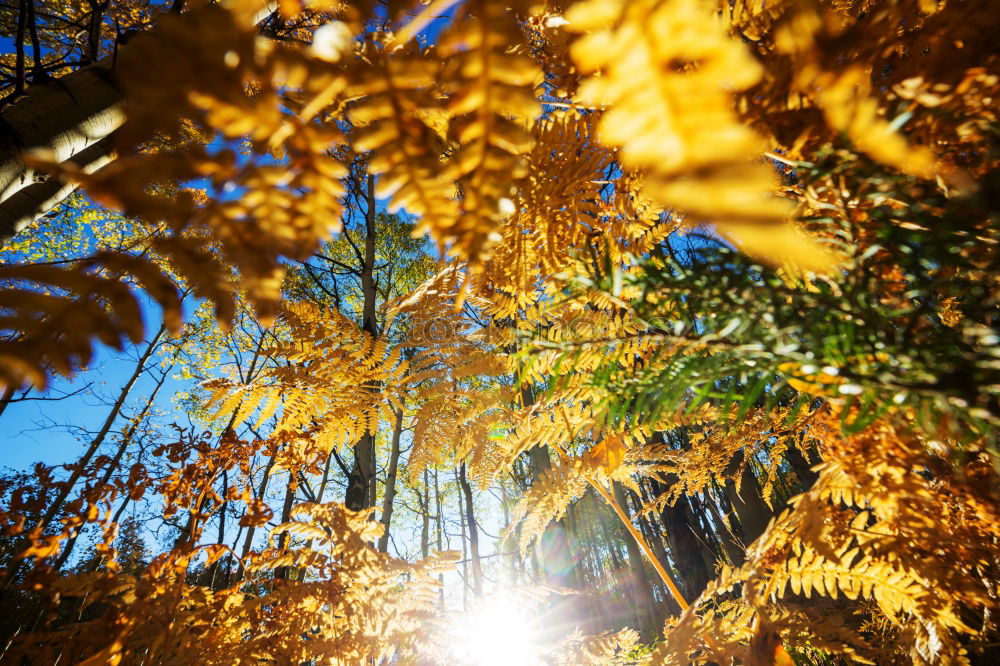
{"x": 71, "y": 119}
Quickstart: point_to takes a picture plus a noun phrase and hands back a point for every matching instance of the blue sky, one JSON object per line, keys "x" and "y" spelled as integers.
{"x": 53, "y": 431}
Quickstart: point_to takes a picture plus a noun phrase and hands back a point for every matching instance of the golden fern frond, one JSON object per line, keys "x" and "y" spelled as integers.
{"x": 862, "y": 537}
{"x": 720, "y": 634}
{"x": 452, "y": 421}
{"x": 240, "y": 88}
{"x": 545, "y": 501}
{"x": 55, "y": 314}
{"x": 611, "y": 648}
{"x": 397, "y": 119}
{"x": 814, "y": 630}
{"x": 491, "y": 102}
{"x": 390, "y": 603}
{"x": 336, "y": 384}
{"x": 552, "y": 216}
{"x": 753, "y": 18}
{"x": 668, "y": 68}
{"x": 844, "y": 91}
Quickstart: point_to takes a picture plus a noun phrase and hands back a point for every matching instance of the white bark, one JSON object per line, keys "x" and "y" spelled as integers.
{"x": 70, "y": 119}
{"x": 268, "y": 7}
{"x": 29, "y": 203}
{"x": 64, "y": 118}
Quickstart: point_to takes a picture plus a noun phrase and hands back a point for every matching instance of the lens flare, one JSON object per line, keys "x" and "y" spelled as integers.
{"x": 497, "y": 631}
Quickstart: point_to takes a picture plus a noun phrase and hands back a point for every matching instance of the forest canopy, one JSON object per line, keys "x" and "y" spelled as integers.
{"x": 475, "y": 332}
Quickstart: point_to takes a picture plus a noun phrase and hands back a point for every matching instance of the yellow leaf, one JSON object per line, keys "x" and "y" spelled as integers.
{"x": 606, "y": 455}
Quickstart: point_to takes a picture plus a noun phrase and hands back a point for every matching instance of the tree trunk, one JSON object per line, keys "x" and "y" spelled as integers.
{"x": 94, "y": 26}
{"x": 440, "y": 530}
{"x": 248, "y": 543}
{"x": 319, "y": 500}
{"x": 556, "y": 563}
{"x": 81, "y": 464}
{"x": 99, "y": 562}
{"x": 63, "y": 118}
{"x": 514, "y": 563}
{"x": 22, "y": 21}
{"x": 555, "y": 558}
{"x": 286, "y": 513}
{"x": 113, "y": 465}
{"x": 802, "y": 468}
{"x": 652, "y": 532}
{"x": 645, "y": 610}
{"x": 751, "y": 509}
{"x": 686, "y": 550}
{"x": 390, "y": 483}
{"x": 470, "y": 519}
{"x": 30, "y": 203}
{"x": 8, "y": 395}
{"x": 465, "y": 550}
{"x": 425, "y": 507}
{"x": 213, "y": 570}
{"x": 360, "y": 483}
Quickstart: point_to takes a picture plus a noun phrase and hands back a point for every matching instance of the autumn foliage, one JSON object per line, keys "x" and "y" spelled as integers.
{"x": 709, "y": 297}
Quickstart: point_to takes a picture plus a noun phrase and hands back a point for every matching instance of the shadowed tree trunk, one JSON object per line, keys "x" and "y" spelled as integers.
{"x": 22, "y": 22}
{"x": 248, "y": 543}
{"x": 555, "y": 560}
{"x": 84, "y": 460}
{"x": 360, "y": 482}
{"x": 751, "y": 509}
{"x": 213, "y": 570}
{"x": 390, "y": 482}
{"x": 425, "y": 513}
{"x": 802, "y": 467}
{"x": 470, "y": 519}
{"x": 113, "y": 465}
{"x": 687, "y": 551}
{"x": 286, "y": 514}
{"x": 638, "y": 580}
{"x": 440, "y": 532}
{"x": 112, "y": 416}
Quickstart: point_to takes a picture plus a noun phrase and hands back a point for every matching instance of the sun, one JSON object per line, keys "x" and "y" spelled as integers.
{"x": 497, "y": 631}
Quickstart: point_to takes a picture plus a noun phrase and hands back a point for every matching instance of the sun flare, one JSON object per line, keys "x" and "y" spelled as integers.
{"x": 498, "y": 631}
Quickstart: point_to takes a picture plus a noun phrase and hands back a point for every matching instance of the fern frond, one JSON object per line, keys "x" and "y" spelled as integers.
{"x": 668, "y": 68}
{"x": 545, "y": 501}
{"x": 492, "y": 100}
{"x": 53, "y": 315}
{"x": 396, "y": 118}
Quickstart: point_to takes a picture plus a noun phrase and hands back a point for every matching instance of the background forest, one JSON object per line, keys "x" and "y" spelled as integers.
{"x": 478, "y": 332}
